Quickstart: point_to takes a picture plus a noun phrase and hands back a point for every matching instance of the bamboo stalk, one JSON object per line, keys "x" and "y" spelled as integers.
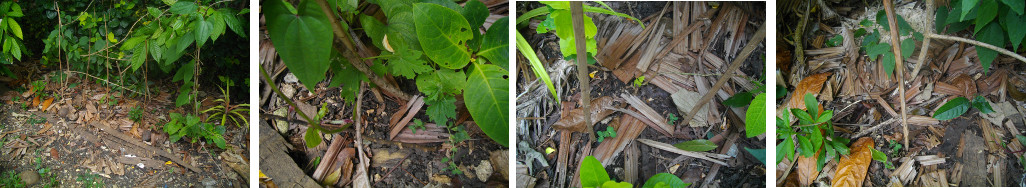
{"x": 577, "y": 15}
{"x": 899, "y": 66}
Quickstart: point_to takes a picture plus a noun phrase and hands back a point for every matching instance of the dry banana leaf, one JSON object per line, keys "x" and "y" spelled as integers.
{"x": 851, "y": 170}
{"x": 574, "y": 121}
{"x": 812, "y": 84}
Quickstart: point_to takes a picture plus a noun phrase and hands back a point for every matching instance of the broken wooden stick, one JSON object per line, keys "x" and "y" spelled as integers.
{"x": 700, "y": 155}
{"x": 730, "y": 71}
{"x": 898, "y": 65}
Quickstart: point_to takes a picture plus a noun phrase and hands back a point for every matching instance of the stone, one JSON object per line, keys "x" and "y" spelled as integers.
{"x": 483, "y": 170}
{"x": 29, "y": 177}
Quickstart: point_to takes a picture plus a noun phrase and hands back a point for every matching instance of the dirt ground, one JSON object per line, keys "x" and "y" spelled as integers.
{"x": 536, "y": 134}
{"x": 66, "y": 144}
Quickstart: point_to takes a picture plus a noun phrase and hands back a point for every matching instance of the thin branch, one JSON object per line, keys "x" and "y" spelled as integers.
{"x": 730, "y": 71}
{"x": 978, "y": 43}
{"x": 577, "y": 15}
{"x": 899, "y": 65}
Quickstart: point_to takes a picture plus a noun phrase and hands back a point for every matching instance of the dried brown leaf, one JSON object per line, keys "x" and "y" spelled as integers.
{"x": 851, "y": 170}
{"x": 46, "y": 104}
{"x": 35, "y": 101}
{"x": 812, "y": 84}
{"x": 807, "y": 171}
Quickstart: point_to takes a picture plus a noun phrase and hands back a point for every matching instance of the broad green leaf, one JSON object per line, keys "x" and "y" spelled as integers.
{"x": 953, "y": 108}
{"x": 443, "y": 34}
{"x": 346, "y": 76}
{"x": 203, "y": 29}
{"x": 811, "y": 105}
{"x": 536, "y": 66}
{"x": 312, "y": 137}
{"x": 15, "y": 28}
{"x": 15, "y": 11}
{"x": 803, "y": 116}
{"x": 1015, "y": 36}
{"x": 739, "y": 99}
{"x": 668, "y": 179}
{"x": 111, "y": 38}
{"x": 614, "y": 184}
{"x": 982, "y": 104}
{"x": 698, "y": 145}
{"x": 816, "y": 137}
{"x": 475, "y": 12}
{"x": 755, "y": 117}
{"x": 592, "y": 173}
{"x": 878, "y": 155}
{"x": 487, "y": 100}
{"x": 966, "y": 6}
{"x": 903, "y": 27}
{"x": 567, "y": 40}
{"x": 442, "y": 109}
{"x": 233, "y": 22}
{"x": 840, "y": 146}
{"x": 785, "y": 148}
{"x": 878, "y": 49}
{"x": 303, "y": 40}
{"x": 133, "y": 42}
{"x": 805, "y": 147}
{"x": 1016, "y": 5}
{"x": 441, "y": 82}
{"x": 495, "y": 46}
{"x": 825, "y": 117}
{"x": 888, "y": 63}
{"x": 218, "y": 24}
{"x": 759, "y": 154}
{"x": 138, "y": 57}
{"x": 219, "y": 141}
{"x": 908, "y": 46}
{"x": 408, "y": 64}
{"x": 993, "y": 35}
{"x": 986, "y": 13}
{"x": 185, "y": 7}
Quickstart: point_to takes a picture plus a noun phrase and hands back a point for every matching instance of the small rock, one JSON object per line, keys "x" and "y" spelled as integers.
{"x": 29, "y": 177}
{"x": 483, "y": 170}
{"x": 500, "y": 162}
{"x": 291, "y": 78}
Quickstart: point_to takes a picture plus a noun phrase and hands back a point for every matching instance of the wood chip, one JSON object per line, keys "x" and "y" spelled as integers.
{"x": 407, "y": 112}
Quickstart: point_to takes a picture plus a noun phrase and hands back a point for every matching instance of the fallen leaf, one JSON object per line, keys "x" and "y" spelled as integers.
{"x": 851, "y": 170}
{"x": 812, "y": 84}
{"x": 574, "y": 120}
{"x": 807, "y": 171}
{"x": 29, "y": 92}
{"x": 35, "y": 101}
{"x": 46, "y": 104}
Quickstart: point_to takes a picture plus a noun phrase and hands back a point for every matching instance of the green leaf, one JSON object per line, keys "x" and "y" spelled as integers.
{"x": 303, "y": 40}
{"x": 218, "y": 24}
{"x": 408, "y": 64}
{"x": 567, "y": 40}
{"x": 803, "y": 116}
{"x": 908, "y": 46}
{"x": 1015, "y": 5}
{"x": 805, "y": 146}
{"x": 15, "y": 28}
{"x": 993, "y": 35}
{"x": 982, "y": 104}
{"x": 442, "y": 109}
{"x": 738, "y": 100}
{"x": 487, "y": 100}
{"x": 811, "y": 105}
{"x": 888, "y": 63}
{"x": 233, "y": 22}
{"x": 219, "y": 141}
{"x": 816, "y": 137}
{"x": 138, "y": 57}
{"x": 755, "y": 117}
{"x": 184, "y": 7}
{"x": 825, "y": 117}
{"x": 443, "y": 34}
{"x": 840, "y": 147}
{"x": 838, "y": 39}
{"x": 1011, "y": 20}
{"x": 966, "y": 6}
{"x": 614, "y": 184}
{"x": 953, "y": 108}
{"x": 495, "y": 46}
{"x": 878, "y": 49}
{"x": 668, "y": 179}
{"x": 592, "y": 173}
{"x": 987, "y": 12}
{"x": 475, "y": 12}
{"x": 879, "y": 156}
{"x": 312, "y": 137}
{"x": 785, "y": 148}
{"x": 536, "y": 66}
{"x": 441, "y": 82}
{"x": 203, "y": 30}
{"x": 696, "y": 145}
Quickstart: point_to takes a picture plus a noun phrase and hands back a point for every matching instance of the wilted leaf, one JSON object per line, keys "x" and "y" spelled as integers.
{"x": 696, "y": 145}
{"x": 812, "y": 84}
{"x": 851, "y": 170}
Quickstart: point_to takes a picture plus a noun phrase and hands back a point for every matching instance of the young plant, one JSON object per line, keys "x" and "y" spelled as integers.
{"x": 224, "y": 110}
{"x": 452, "y": 168}
{"x": 875, "y": 47}
{"x": 958, "y": 106}
{"x": 437, "y": 45}
{"x": 136, "y": 114}
{"x": 671, "y": 119}
{"x": 592, "y": 174}
{"x": 996, "y": 21}
{"x": 640, "y": 81}
{"x": 417, "y": 124}
{"x": 882, "y": 157}
{"x": 191, "y": 126}
{"x": 815, "y": 134}
{"x": 557, "y": 18}
{"x": 609, "y": 132}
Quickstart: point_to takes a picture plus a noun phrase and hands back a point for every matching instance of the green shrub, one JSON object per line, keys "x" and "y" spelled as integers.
{"x": 191, "y": 126}
{"x": 815, "y": 134}
{"x": 11, "y": 35}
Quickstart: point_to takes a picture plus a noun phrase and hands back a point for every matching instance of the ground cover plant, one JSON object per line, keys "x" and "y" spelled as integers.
{"x": 438, "y": 68}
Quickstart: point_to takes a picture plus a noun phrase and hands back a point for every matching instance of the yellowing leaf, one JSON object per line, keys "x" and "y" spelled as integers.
{"x": 110, "y": 37}
{"x": 851, "y": 170}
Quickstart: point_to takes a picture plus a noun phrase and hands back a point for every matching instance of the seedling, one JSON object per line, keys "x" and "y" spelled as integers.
{"x": 882, "y": 157}
{"x": 958, "y": 106}
{"x": 609, "y": 132}
{"x": 640, "y": 81}
{"x": 671, "y": 119}
{"x": 135, "y": 114}
{"x": 417, "y": 124}
{"x": 452, "y": 168}
{"x": 815, "y": 134}
{"x": 190, "y": 125}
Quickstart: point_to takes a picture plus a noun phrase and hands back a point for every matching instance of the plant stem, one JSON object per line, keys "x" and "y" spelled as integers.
{"x": 978, "y": 43}
{"x": 899, "y": 66}
{"x": 577, "y": 15}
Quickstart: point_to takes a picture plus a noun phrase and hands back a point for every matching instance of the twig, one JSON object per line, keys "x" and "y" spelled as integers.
{"x": 730, "y": 71}
{"x": 359, "y": 139}
{"x": 926, "y": 41}
{"x": 700, "y": 155}
{"x": 977, "y": 43}
{"x": 874, "y": 128}
{"x": 899, "y": 66}
{"x": 104, "y": 80}
{"x": 577, "y": 15}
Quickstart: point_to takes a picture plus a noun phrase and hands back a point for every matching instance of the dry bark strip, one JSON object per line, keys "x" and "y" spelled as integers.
{"x": 756, "y": 40}
{"x": 700, "y": 155}
{"x": 146, "y": 148}
{"x": 409, "y": 110}
{"x": 899, "y": 66}
{"x": 648, "y": 112}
